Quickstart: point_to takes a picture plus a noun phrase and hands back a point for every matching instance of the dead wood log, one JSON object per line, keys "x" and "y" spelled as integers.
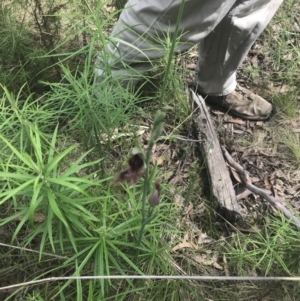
{"x": 247, "y": 182}
{"x": 221, "y": 188}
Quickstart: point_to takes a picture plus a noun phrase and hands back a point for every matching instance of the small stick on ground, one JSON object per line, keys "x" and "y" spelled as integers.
{"x": 247, "y": 182}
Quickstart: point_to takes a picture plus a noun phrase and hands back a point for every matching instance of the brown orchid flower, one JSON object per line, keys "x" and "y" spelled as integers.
{"x": 133, "y": 172}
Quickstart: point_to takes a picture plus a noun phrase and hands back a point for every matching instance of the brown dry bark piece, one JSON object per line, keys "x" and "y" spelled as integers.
{"x": 222, "y": 191}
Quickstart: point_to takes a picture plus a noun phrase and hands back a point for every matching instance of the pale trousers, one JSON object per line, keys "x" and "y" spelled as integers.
{"x": 225, "y": 30}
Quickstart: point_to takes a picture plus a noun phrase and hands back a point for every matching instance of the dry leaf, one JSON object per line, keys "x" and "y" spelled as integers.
{"x": 254, "y": 179}
{"x": 190, "y": 208}
{"x": 290, "y": 191}
{"x": 158, "y": 161}
{"x": 280, "y": 174}
{"x": 183, "y": 245}
{"x": 244, "y": 194}
{"x": 117, "y": 134}
{"x": 235, "y": 174}
{"x": 178, "y": 199}
{"x": 203, "y": 260}
{"x": 176, "y": 179}
{"x": 204, "y": 239}
{"x": 254, "y": 61}
{"x": 200, "y": 209}
{"x": 193, "y": 54}
{"x": 217, "y": 266}
{"x": 109, "y": 8}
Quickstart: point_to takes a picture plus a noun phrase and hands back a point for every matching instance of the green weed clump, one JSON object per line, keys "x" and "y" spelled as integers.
{"x": 57, "y": 201}
{"x": 269, "y": 251}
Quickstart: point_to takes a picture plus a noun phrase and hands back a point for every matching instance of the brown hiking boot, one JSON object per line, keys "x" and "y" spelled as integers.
{"x": 242, "y": 103}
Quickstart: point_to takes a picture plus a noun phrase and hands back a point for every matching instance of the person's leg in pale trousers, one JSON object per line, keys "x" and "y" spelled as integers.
{"x": 224, "y": 29}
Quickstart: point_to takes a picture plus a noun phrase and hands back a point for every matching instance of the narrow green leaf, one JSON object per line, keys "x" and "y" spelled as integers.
{"x": 43, "y": 241}
{"x": 118, "y": 267}
{"x": 36, "y": 143}
{"x": 34, "y": 166}
{"x": 66, "y": 183}
{"x": 84, "y": 212}
{"x": 20, "y": 225}
{"x": 52, "y": 145}
{"x": 17, "y": 216}
{"x": 78, "y": 284}
{"x": 54, "y": 162}
{"x": 91, "y": 291}
{"x": 16, "y": 175}
{"x": 56, "y": 209}
{"x": 16, "y": 152}
{"x": 75, "y": 168}
{"x": 99, "y": 262}
{"x": 9, "y": 194}
{"x": 49, "y": 223}
{"x": 76, "y": 224}
{"x": 37, "y": 186}
{"x": 121, "y": 254}
{"x": 86, "y": 259}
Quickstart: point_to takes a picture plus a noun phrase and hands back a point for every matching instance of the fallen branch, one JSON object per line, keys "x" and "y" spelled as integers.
{"x": 221, "y": 189}
{"x": 247, "y": 182}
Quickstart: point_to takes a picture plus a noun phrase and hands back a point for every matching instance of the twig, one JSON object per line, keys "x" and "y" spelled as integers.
{"x": 189, "y": 140}
{"x": 161, "y": 277}
{"x": 247, "y": 182}
{"x": 33, "y": 251}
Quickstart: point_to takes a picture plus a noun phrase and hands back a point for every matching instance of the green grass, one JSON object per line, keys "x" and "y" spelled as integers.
{"x": 291, "y": 141}
{"x": 270, "y": 250}
{"x": 60, "y": 154}
{"x": 287, "y": 103}
{"x": 284, "y": 40}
